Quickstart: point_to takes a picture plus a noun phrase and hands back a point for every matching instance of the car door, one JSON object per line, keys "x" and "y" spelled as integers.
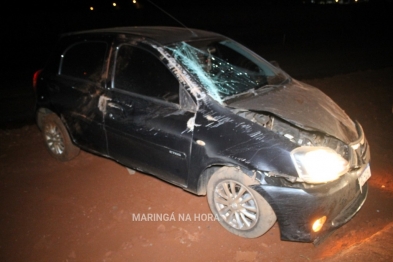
{"x": 145, "y": 124}
{"x": 76, "y": 91}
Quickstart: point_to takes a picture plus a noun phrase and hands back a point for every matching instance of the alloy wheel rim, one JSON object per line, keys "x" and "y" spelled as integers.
{"x": 54, "y": 139}
{"x": 236, "y": 205}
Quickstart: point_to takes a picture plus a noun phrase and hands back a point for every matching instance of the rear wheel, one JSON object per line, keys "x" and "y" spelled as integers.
{"x": 57, "y": 139}
{"x": 240, "y": 209}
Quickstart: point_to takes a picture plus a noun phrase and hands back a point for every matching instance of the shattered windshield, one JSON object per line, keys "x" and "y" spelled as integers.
{"x": 225, "y": 68}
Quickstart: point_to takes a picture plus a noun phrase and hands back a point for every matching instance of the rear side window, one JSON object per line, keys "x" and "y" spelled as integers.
{"x": 141, "y": 72}
{"x": 84, "y": 60}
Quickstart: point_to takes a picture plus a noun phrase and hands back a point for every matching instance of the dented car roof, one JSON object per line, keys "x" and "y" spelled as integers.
{"x": 161, "y": 34}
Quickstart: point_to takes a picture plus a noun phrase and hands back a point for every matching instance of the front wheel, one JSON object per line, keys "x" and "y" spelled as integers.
{"x": 240, "y": 209}
{"x": 57, "y": 139}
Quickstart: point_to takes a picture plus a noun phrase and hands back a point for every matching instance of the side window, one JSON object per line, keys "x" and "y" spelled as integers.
{"x": 84, "y": 60}
{"x": 141, "y": 72}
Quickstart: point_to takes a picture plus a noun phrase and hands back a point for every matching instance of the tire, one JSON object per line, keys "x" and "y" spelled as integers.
{"x": 246, "y": 213}
{"x": 57, "y": 139}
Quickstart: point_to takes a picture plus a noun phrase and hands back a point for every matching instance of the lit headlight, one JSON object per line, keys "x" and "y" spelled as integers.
{"x": 318, "y": 164}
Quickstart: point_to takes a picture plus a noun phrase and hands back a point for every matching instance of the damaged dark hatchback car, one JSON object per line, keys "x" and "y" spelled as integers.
{"x": 205, "y": 113}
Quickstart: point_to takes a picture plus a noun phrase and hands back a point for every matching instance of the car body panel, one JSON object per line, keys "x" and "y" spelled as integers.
{"x": 161, "y": 34}
{"x": 80, "y": 113}
{"x": 339, "y": 201}
{"x": 304, "y": 106}
{"x": 245, "y": 146}
{"x": 155, "y": 129}
{"x": 182, "y": 139}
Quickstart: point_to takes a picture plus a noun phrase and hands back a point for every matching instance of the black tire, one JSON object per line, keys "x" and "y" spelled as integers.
{"x": 245, "y": 212}
{"x": 57, "y": 139}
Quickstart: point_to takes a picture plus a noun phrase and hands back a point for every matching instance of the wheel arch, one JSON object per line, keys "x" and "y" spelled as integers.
{"x": 263, "y": 216}
{"x": 56, "y": 135}
{"x": 211, "y": 169}
{"x": 41, "y": 113}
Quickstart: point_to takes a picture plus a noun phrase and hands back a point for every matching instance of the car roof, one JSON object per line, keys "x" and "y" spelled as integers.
{"x": 161, "y": 34}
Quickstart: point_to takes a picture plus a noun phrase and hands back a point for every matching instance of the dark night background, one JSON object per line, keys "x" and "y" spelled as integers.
{"x": 308, "y": 40}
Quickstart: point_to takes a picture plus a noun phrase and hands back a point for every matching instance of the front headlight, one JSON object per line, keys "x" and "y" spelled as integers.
{"x": 318, "y": 164}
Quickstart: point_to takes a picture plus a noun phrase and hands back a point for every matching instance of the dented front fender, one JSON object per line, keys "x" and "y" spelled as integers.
{"x": 233, "y": 140}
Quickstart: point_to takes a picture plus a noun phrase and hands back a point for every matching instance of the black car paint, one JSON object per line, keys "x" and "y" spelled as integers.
{"x": 304, "y": 106}
{"x": 157, "y": 137}
{"x": 340, "y": 199}
{"x": 142, "y": 131}
{"x": 248, "y": 144}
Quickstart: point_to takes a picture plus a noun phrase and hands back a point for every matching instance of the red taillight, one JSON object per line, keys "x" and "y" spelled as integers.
{"x": 35, "y": 79}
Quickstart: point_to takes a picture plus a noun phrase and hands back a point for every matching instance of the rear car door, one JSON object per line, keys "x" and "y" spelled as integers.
{"x": 76, "y": 90}
{"x": 146, "y": 125}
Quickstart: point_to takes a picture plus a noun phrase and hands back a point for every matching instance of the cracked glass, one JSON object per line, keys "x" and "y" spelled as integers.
{"x": 226, "y": 69}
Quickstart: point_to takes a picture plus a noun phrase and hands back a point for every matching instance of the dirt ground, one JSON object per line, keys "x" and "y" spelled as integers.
{"x": 87, "y": 209}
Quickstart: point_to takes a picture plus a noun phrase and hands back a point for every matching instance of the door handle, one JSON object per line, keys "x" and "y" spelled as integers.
{"x": 116, "y": 106}
{"x": 116, "y": 111}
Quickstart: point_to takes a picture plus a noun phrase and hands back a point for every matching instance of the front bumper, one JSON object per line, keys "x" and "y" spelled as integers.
{"x": 297, "y": 208}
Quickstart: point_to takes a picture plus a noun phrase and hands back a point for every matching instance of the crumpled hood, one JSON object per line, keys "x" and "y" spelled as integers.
{"x": 304, "y": 106}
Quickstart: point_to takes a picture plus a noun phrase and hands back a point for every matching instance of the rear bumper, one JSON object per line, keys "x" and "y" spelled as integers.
{"x": 297, "y": 208}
